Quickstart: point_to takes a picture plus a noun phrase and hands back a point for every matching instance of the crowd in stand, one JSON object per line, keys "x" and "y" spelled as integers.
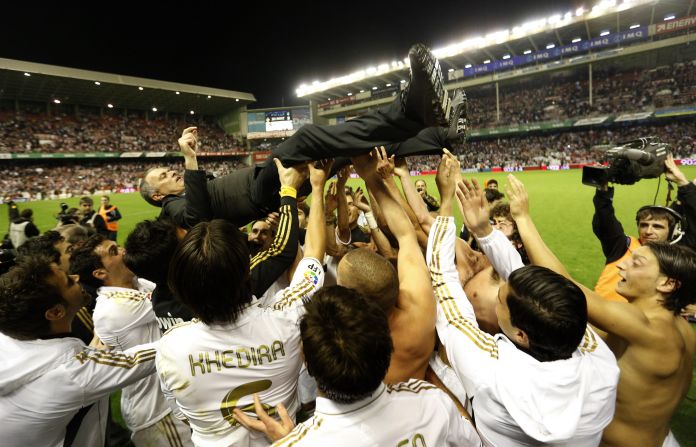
{"x": 567, "y": 96}
{"x": 39, "y": 132}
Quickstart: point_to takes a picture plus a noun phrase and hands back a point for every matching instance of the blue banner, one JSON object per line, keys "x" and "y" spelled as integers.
{"x": 640, "y": 33}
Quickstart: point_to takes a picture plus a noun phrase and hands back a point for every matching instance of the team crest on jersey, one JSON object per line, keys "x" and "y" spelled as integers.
{"x": 311, "y": 276}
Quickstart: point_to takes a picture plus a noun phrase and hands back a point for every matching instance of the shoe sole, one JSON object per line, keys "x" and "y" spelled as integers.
{"x": 430, "y": 67}
{"x": 458, "y": 127}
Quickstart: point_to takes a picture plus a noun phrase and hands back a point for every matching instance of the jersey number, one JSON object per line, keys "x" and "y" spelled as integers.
{"x": 229, "y": 402}
{"x": 417, "y": 441}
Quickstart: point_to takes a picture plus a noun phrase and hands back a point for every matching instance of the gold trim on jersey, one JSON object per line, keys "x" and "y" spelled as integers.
{"x": 299, "y": 432}
{"x": 412, "y": 386}
{"x": 133, "y": 295}
{"x": 182, "y": 324}
{"x": 111, "y": 358}
{"x": 86, "y": 318}
{"x": 446, "y": 299}
{"x": 280, "y": 241}
{"x": 589, "y": 342}
{"x": 299, "y": 291}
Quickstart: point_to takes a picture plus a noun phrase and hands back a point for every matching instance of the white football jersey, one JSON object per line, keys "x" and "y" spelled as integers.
{"x": 124, "y": 318}
{"x": 209, "y": 370}
{"x": 413, "y": 413}
{"x": 46, "y": 384}
{"x": 516, "y": 399}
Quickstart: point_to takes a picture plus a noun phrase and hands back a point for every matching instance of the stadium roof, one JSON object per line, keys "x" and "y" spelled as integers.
{"x": 560, "y": 29}
{"x": 28, "y": 81}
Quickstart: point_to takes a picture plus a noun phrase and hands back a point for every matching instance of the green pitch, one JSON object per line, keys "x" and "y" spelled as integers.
{"x": 560, "y": 204}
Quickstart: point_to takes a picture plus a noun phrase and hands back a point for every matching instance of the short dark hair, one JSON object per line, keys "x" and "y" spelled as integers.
{"x": 493, "y": 194}
{"x": 491, "y": 181}
{"x": 26, "y": 213}
{"x": 346, "y": 343}
{"x": 678, "y": 263}
{"x": 147, "y": 190}
{"x": 84, "y": 261}
{"x": 209, "y": 272}
{"x": 86, "y": 199}
{"x": 660, "y": 213}
{"x": 149, "y": 248}
{"x": 373, "y": 276}
{"x": 44, "y": 245}
{"x": 550, "y": 308}
{"x": 25, "y": 296}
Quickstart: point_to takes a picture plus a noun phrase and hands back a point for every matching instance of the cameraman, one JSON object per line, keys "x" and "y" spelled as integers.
{"x": 655, "y": 223}
{"x": 22, "y": 228}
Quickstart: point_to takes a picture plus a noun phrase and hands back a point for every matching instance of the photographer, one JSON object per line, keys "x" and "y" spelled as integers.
{"x": 23, "y": 228}
{"x": 655, "y": 224}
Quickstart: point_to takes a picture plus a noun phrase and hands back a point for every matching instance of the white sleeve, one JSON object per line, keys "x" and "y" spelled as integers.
{"x": 308, "y": 278}
{"x": 169, "y": 378}
{"x": 99, "y": 373}
{"x": 122, "y": 319}
{"x": 499, "y": 250}
{"x": 472, "y": 353}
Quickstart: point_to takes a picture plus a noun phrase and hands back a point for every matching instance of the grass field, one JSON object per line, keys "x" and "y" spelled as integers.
{"x": 561, "y": 207}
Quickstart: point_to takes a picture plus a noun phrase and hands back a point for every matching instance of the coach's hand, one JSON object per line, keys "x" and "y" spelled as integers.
{"x": 273, "y": 429}
{"x": 293, "y": 176}
{"x": 188, "y": 144}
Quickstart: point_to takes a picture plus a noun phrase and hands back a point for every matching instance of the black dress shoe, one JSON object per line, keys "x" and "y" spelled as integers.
{"x": 458, "y": 122}
{"x": 425, "y": 98}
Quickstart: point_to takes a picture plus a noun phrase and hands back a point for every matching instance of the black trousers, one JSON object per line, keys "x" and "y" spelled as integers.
{"x": 387, "y": 127}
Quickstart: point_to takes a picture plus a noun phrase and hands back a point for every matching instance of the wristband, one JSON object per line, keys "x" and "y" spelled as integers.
{"x": 371, "y": 222}
{"x": 286, "y": 191}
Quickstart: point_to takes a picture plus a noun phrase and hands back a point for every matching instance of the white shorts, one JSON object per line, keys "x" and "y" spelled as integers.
{"x": 167, "y": 432}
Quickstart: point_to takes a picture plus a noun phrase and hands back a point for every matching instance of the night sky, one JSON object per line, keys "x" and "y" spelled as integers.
{"x": 266, "y": 48}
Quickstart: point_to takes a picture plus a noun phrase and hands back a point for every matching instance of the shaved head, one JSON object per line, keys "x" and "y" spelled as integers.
{"x": 370, "y": 274}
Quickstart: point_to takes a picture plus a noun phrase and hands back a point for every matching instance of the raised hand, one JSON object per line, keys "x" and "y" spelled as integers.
{"x": 330, "y": 199}
{"x": 474, "y": 207}
{"x": 293, "y": 176}
{"x": 188, "y": 143}
{"x": 385, "y": 164}
{"x": 401, "y": 168}
{"x": 319, "y": 172}
{"x": 519, "y": 200}
{"x": 361, "y": 202}
{"x": 273, "y": 429}
{"x": 673, "y": 173}
{"x": 272, "y": 219}
{"x": 448, "y": 174}
{"x": 342, "y": 176}
{"x": 365, "y": 166}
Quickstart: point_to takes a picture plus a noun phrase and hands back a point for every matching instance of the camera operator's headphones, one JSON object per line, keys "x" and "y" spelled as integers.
{"x": 679, "y": 229}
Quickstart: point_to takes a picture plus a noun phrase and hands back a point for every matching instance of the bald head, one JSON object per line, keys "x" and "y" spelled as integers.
{"x": 370, "y": 274}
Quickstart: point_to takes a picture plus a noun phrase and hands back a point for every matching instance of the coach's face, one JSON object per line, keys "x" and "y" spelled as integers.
{"x": 166, "y": 181}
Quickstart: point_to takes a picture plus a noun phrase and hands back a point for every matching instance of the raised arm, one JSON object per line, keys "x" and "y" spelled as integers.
{"x": 343, "y": 220}
{"x": 197, "y": 200}
{"x": 620, "y": 319}
{"x": 415, "y": 201}
{"x": 415, "y": 292}
{"x": 268, "y": 265}
{"x": 309, "y": 275}
{"x": 381, "y": 241}
{"x": 471, "y": 352}
{"x": 476, "y": 214}
{"x": 606, "y": 226}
